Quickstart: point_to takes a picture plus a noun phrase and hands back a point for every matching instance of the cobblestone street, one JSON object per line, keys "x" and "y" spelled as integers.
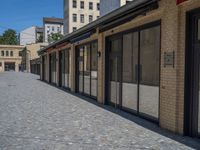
{"x": 37, "y": 116}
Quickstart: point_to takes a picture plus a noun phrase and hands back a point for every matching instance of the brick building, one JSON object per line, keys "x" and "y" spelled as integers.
{"x": 142, "y": 58}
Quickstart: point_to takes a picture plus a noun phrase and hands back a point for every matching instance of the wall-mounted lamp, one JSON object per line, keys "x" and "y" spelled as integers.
{"x": 98, "y": 54}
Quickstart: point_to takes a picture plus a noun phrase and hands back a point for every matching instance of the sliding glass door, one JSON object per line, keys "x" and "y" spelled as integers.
{"x": 64, "y": 68}
{"x": 87, "y": 69}
{"x": 134, "y": 64}
{"x": 53, "y": 68}
{"x": 130, "y": 71}
{"x": 115, "y": 69}
{"x": 149, "y": 71}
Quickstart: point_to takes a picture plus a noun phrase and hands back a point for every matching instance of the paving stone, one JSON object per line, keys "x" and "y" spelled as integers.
{"x": 37, "y": 116}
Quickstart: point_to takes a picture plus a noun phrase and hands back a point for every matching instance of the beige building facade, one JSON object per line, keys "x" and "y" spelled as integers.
{"x": 78, "y": 13}
{"x": 10, "y": 57}
{"x": 29, "y": 53}
{"x": 145, "y": 62}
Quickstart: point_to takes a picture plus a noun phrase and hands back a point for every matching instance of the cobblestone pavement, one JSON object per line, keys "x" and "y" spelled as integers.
{"x": 38, "y": 116}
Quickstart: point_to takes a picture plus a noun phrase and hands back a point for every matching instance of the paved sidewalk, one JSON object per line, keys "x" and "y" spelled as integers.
{"x": 37, "y": 116}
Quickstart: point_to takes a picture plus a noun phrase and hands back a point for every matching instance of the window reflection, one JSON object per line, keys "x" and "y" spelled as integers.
{"x": 149, "y": 71}
{"x": 88, "y": 69}
{"x": 53, "y": 67}
{"x": 130, "y": 61}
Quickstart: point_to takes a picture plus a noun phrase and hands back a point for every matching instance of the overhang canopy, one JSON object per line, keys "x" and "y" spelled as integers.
{"x": 113, "y": 19}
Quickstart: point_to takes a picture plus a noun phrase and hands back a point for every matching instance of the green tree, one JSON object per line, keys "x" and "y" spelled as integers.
{"x": 9, "y": 37}
{"x": 54, "y": 37}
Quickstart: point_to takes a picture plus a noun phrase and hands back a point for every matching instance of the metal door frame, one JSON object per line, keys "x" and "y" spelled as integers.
{"x": 191, "y": 77}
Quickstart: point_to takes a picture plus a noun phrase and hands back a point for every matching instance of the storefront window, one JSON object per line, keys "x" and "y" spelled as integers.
{"x": 149, "y": 71}
{"x": 130, "y": 61}
{"x": 94, "y": 66}
{"x": 87, "y": 61}
{"x": 53, "y": 67}
{"x": 139, "y": 65}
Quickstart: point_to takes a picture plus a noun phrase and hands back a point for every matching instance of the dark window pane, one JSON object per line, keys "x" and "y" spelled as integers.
{"x": 82, "y": 4}
{"x": 74, "y": 17}
{"x": 199, "y": 29}
{"x": 87, "y": 69}
{"x": 130, "y": 61}
{"x": 149, "y": 60}
{"x": 11, "y": 53}
{"x": 2, "y": 53}
{"x": 74, "y": 3}
{"x": 20, "y": 53}
{"x": 7, "y": 53}
{"x": 81, "y": 65}
{"x": 90, "y": 5}
{"x": 94, "y": 66}
{"x": 127, "y": 58}
{"x": 53, "y": 67}
{"x": 116, "y": 45}
{"x": 98, "y": 6}
{"x": 149, "y": 65}
{"x": 82, "y": 18}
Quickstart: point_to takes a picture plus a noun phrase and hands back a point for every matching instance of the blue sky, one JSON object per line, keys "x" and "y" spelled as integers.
{"x": 20, "y": 14}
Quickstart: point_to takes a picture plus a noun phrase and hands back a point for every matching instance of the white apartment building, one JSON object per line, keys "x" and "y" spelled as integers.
{"x": 52, "y": 25}
{"x": 106, "y": 6}
{"x": 78, "y": 13}
{"x": 31, "y": 35}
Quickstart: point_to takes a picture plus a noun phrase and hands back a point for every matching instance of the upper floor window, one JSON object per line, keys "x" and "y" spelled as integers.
{"x": 20, "y": 53}
{"x": 98, "y": 6}
{"x": 90, "y": 18}
{"x": 74, "y": 17}
{"x": 82, "y": 5}
{"x": 11, "y": 53}
{"x": 74, "y": 28}
{"x": 74, "y": 4}
{"x": 2, "y": 53}
{"x": 90, "y": 5}
{"x": 82, "y": 18}
{"x": 7, "y": 53}
{"x": 53, "y": 29}
{"x": 58, "y": 29}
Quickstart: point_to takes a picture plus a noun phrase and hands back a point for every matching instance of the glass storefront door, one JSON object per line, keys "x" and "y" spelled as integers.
{"x": 115, "y": 69}
{"x": 53, "y": 68}
{"x": 134, "y": 71}
{"x": 87, "y": 69}
{"x": 149, "y": 71}
{"x": 192, "y": 76}
{"x": 64, "y": 68}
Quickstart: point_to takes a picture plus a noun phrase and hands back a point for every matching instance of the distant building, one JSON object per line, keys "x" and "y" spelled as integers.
{"x": 106, "y": 6}
{"x": 10, "y": 57}
{"x": 29, "y": 53}
{"x": 78, "y": 13}
{"x": 31, "y": 35}
{"x": 52, "y": 25}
